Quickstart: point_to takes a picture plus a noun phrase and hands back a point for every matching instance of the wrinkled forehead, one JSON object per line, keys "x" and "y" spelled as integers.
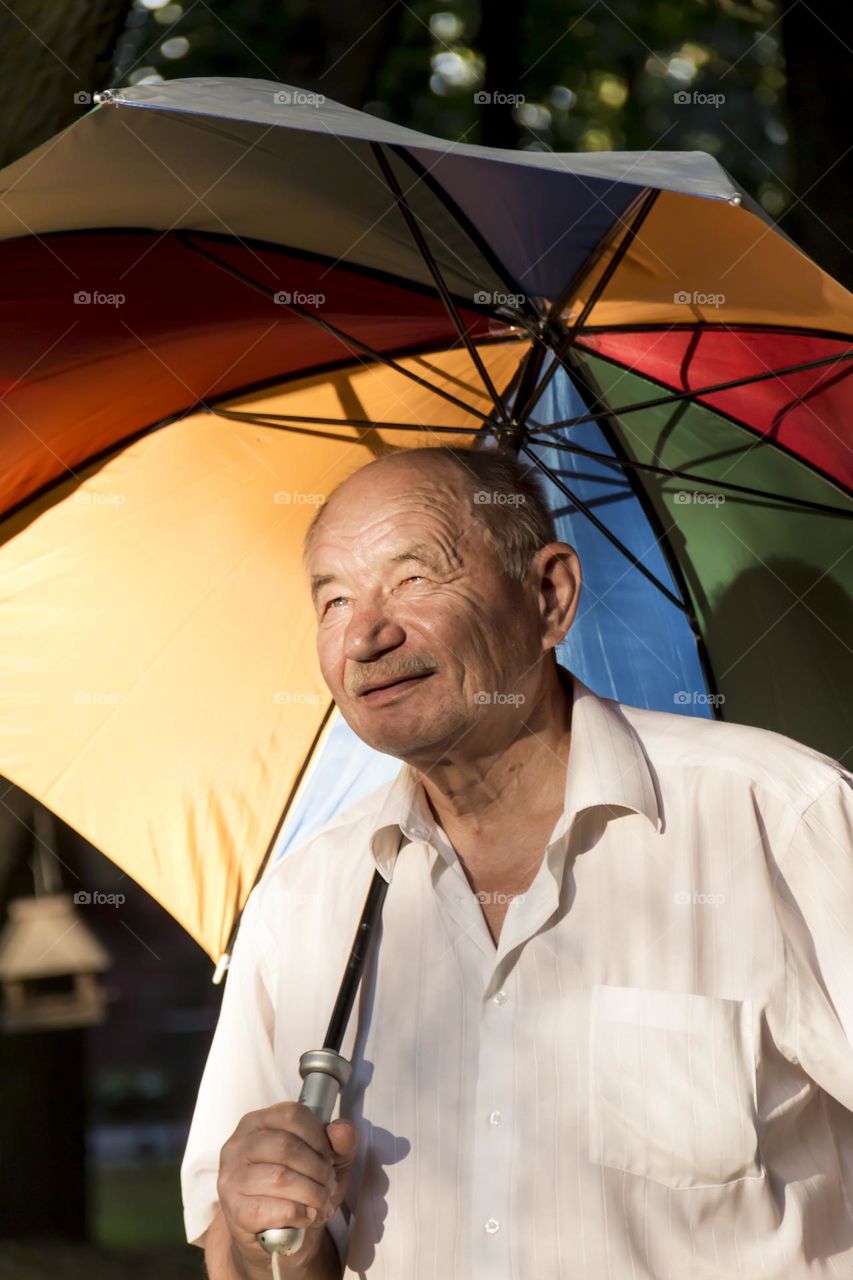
{"x": 369, "y": 535}
{"x": 369, "y": 513}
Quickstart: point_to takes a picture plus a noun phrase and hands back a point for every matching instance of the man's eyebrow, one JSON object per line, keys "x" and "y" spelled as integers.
{"x": 418, "y": 551}
{"x": 318, "y": 581}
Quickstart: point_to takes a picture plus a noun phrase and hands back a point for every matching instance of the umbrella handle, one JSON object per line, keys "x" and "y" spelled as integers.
{"x": 324, "y": 1073}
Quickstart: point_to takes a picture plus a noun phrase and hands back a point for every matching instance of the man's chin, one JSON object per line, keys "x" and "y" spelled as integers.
{"x": 419, "y": 744}
{"x": 394, "y": 736}
{"x": 400, "y": 744}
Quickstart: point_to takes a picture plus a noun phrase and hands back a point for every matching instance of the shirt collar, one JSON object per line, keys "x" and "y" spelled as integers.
{"x": 607, "y": 767}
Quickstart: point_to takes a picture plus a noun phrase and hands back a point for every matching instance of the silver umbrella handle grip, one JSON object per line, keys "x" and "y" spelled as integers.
{"x": 324, "y": 1073}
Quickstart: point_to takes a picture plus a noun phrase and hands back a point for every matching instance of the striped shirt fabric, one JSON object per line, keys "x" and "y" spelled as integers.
{"x": 650, "y": 1077}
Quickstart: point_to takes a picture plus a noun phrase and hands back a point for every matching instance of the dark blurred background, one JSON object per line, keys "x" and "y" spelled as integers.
{"x": 93, "y": 1117}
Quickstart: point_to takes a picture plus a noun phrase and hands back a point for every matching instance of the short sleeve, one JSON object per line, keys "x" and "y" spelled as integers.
{"x": 814, "y": 900}
{"x": 239, "y": 1075}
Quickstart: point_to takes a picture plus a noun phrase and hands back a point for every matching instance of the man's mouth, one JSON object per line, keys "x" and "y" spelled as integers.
{"x": 399, "y": 682}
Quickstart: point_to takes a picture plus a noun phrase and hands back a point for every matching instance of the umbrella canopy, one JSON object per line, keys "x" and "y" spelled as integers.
{"x": 220, "y": 297}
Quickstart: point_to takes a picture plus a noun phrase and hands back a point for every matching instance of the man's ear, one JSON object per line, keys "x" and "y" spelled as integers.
{"x": 556, "y": 568}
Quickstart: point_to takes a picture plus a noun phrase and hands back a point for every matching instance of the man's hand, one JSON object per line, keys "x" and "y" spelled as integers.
{"x": 282, "y": 1167}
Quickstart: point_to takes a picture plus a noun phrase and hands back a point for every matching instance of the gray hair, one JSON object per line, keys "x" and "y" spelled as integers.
{"x": 506, "y": 497}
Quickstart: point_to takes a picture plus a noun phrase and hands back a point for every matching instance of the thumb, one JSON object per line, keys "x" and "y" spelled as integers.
{"x": 343, "y": 1136}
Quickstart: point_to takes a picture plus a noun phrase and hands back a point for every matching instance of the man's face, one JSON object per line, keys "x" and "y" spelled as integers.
{"x": 415, "y": 594}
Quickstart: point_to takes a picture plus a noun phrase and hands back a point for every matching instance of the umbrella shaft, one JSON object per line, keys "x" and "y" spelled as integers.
{"x": 355, "y": 965}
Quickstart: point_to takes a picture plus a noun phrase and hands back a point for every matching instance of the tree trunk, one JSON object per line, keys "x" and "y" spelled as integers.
{"x": 817, "y": 53}
{"x": 500, "y": 36}
{"x": 52, "y": 53}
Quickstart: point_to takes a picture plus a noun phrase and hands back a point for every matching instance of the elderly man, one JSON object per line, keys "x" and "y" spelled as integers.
{"x": 607, "y": 1030}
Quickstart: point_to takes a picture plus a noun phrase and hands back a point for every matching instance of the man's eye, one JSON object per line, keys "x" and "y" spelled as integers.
{"x": 415, "y": 577}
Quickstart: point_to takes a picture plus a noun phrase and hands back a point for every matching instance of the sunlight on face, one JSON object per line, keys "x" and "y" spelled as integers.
{"x": 407, "y": 589}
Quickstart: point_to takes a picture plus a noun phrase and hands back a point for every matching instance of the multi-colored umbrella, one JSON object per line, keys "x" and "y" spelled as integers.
{"x": 220, "y": 297}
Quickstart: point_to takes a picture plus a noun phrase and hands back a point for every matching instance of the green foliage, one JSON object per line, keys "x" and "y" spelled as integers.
{"x": 137, "y": 1206}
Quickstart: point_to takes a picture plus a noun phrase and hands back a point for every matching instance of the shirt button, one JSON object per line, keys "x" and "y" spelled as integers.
{"x": 492, "y": 1226}
{"x": 500, "y": 997}
{"x": 495, "y": 1117}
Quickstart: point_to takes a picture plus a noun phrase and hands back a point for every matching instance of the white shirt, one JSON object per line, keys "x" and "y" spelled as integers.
{"x": 649, "y": 1078}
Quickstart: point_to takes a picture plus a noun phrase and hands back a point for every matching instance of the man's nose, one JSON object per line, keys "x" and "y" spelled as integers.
{"x": 371, "y": 632}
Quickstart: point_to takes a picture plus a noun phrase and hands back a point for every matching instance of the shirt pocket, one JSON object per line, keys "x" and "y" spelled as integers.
{"x": 672, "y": 1086}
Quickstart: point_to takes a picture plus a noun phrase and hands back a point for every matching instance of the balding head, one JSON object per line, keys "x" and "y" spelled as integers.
{"x": 429, "y": 564}
{"x": 503, "y": 494}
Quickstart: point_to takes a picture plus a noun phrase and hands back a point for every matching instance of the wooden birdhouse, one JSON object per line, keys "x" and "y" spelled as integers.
{"x": 50, "y": 962}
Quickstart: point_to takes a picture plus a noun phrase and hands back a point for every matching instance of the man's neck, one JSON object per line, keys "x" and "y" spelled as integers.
{"x": 497, "y": 811}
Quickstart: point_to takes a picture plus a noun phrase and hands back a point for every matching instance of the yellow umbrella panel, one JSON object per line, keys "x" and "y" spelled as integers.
{"x": 156, "y": 624}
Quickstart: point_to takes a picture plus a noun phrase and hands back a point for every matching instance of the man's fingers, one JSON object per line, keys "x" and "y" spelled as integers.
{"x": 343, "y": 1138}
{"x": 261, "y": 1213}
{"x": 273, "y": 1181}
{"x": 291, "y": 1117}
{"x": 275, "y": 1146}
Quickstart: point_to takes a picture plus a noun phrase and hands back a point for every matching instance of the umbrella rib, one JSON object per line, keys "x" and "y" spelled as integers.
{"x": 443, "y": 196}
{"x": 286, "y": 420}
{"x": 589, "y": 392}
{"x": 727, "y": 416}
{"x": 602, "y": 528}
{"x": 642, "y": 203}
{"x": 432, "y": 266}
{"x": 327, "y": 327}
{"x": 613, "y": 461}
{"x": 561, "y": 349}
{"x": 676, "y": 396}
